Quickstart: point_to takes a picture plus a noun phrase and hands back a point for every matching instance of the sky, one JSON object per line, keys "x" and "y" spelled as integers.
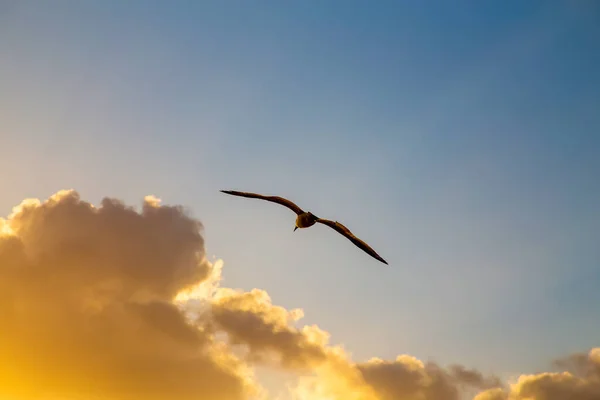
{"x": 459, "y": 140}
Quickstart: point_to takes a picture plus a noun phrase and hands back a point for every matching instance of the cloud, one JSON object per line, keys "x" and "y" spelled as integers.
{"x": 403, "y": 378}
{"x": 582, "y": 364}
{"x": 86, "y": 305}
{"x": 249, "y": 318}
{"x": 111, "y": 302}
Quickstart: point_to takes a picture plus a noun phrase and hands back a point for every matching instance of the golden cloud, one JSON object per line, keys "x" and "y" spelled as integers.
{"x": 86, "y": 305}
{"x": 110, "y": 302}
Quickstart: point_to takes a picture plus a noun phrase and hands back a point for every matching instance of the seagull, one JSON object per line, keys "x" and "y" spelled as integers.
{"x": 307, "y": 219}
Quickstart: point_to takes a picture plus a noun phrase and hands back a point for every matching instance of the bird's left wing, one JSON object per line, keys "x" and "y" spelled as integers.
{"x": 275, "y": 199}
{"x": 346, "y": 232}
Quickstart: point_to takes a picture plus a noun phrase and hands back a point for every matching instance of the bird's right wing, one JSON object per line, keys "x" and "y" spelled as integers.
{"x": 274, "y": 199}
{"x": 346, "y": 232}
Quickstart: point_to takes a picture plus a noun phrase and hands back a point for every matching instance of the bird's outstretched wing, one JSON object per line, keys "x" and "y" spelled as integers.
{"x": 274, "y": 199}
{"x": 346, "y": 232}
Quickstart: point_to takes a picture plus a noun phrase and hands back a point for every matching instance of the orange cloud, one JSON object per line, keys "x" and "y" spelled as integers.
{"x": 249, "y": 318}
{"x": 110, "y": 302}
{"x": 86, "y": 305}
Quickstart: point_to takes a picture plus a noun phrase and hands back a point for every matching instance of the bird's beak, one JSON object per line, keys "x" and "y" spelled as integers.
{"x": 295, "y": 228}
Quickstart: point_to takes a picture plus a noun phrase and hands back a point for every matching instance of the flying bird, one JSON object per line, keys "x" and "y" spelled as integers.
{"x": 307, "y": 219}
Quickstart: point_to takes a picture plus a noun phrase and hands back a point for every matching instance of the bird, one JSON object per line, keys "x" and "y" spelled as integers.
{"x": 306, "y": 219}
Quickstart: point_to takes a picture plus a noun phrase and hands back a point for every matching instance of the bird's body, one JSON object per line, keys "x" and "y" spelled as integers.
{"x": 306, "y": 219}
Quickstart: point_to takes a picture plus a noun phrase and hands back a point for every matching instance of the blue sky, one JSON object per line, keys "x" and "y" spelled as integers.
{"x": 460, "y": 140}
